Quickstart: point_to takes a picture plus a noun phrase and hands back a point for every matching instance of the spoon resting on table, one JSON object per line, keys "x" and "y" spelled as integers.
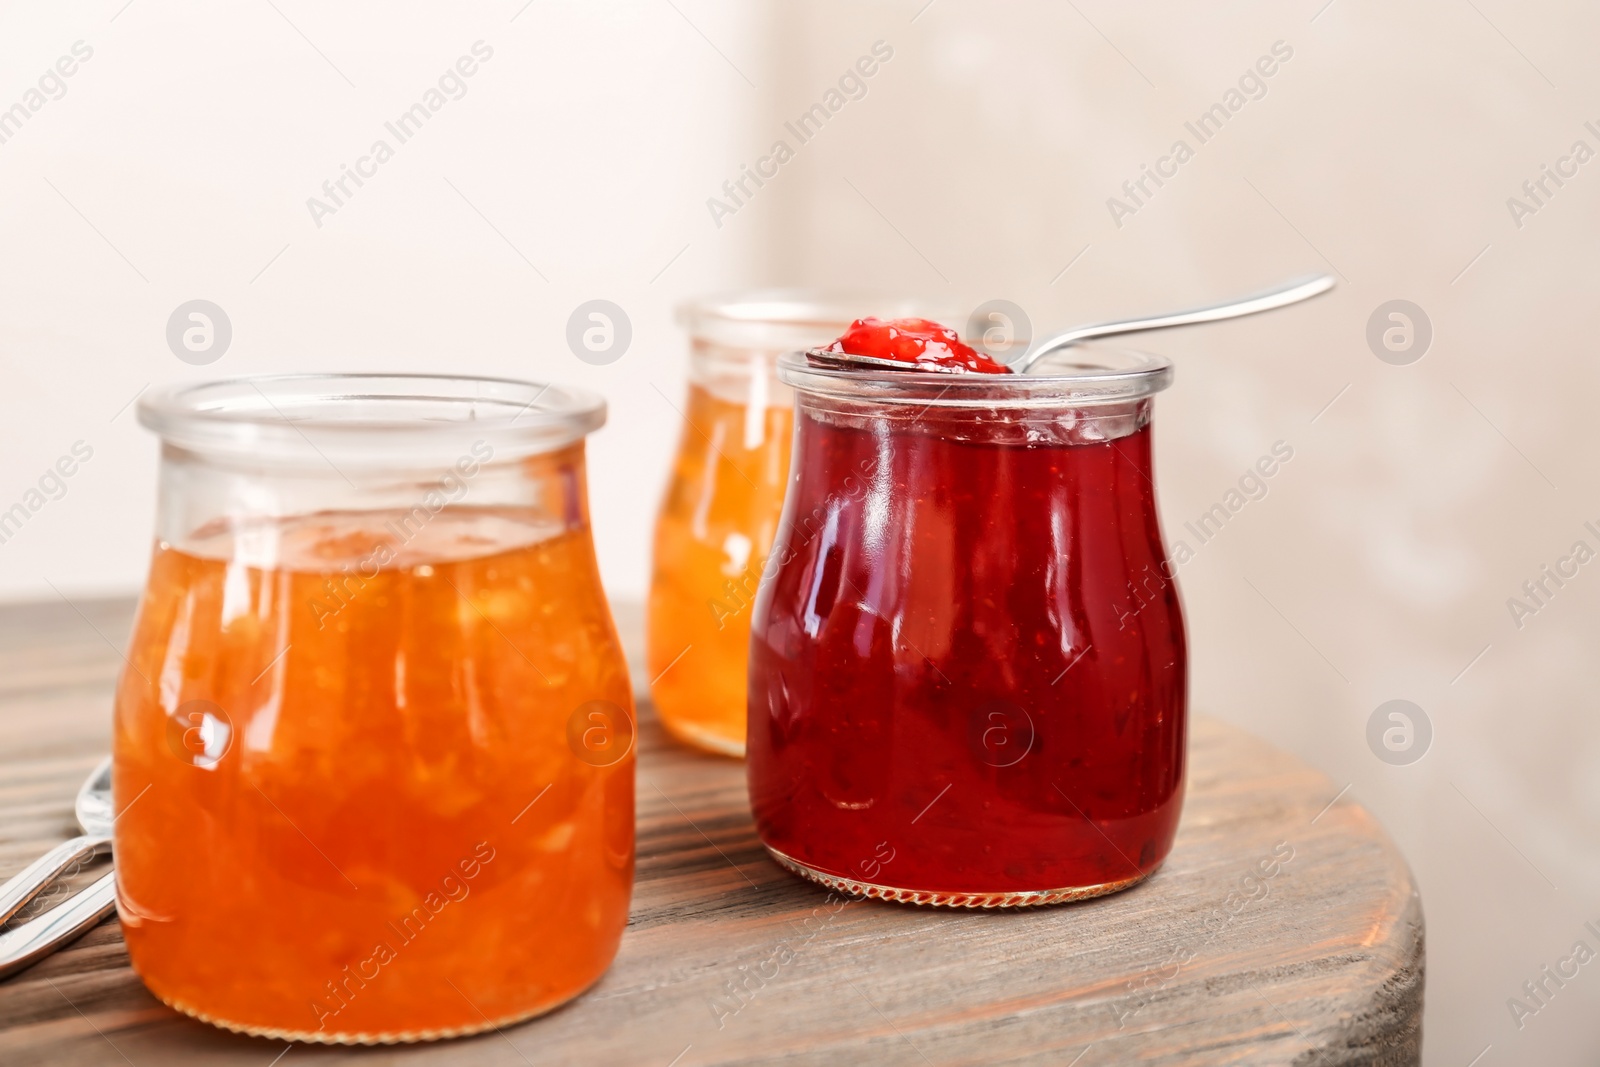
{"x": 26, "y": 943}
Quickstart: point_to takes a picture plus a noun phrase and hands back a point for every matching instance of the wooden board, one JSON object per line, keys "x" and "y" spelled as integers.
{"x": 1211, "y": 961}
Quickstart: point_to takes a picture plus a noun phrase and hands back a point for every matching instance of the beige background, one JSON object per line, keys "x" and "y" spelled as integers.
{"x": 977, "y": 166}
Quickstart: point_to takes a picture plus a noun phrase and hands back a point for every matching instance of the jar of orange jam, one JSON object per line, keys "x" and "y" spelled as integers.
{"x": 720, "y": 514}
{"x": 373, "y": 742}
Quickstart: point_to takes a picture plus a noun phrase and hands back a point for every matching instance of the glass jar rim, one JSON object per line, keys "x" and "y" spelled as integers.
{"x": 369, "y": 419}
{"x": 788, "y": 319}
{"x": 1083, "y": 375}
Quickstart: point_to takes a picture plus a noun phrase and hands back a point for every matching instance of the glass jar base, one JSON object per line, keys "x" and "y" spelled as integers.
{"x": 934, "y": 898}
{"x": 401, "y": 1037}
{"x": 702, "y": 738}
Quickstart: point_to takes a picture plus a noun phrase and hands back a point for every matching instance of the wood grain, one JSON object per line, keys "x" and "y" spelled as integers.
{"x": 1209, "y": 962}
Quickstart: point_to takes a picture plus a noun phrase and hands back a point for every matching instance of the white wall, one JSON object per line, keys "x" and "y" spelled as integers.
{"x": 190, "y": 142}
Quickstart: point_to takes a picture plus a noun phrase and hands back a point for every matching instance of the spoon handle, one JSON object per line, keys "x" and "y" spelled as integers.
{"x": 25, "y": 884}
{"x": 37, "y": 938}
{"x": 1278, "y": 296}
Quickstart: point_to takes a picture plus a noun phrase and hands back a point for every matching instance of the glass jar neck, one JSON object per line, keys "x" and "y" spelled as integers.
{"x": 359, "y": 421}
{"x": 216, "y": 506}
{"x": 391, "y": 454}
{"x": 736, "y": 339}
{"x": 1024, "y": 426}
{"x": 739, "y": 375}
{"x": 1081, "y": 395}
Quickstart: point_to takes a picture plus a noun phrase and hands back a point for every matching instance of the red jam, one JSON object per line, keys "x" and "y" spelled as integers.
{"x": 968, "y": 667}
{"x": 917, "y": 341}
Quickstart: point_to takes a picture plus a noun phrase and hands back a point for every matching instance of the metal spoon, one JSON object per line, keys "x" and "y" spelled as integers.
{"x": 1279, "y": 296}
{"x": 39, "y": 937}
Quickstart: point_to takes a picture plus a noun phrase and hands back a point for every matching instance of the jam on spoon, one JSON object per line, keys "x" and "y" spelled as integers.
{"x": 918, "y": 344}
{"x": 921, "y": 342}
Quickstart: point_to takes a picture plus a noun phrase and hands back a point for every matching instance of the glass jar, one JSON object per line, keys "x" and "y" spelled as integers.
{"x": 373, "y": 742}
{"x": 968, "y": 670}
{"x": 720, "y": 511}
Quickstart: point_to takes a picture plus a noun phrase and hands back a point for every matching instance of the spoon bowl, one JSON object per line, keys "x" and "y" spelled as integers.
{"x": 824, "y": 357}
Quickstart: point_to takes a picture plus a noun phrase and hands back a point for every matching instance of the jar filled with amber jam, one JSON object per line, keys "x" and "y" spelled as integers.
{"x": 720, "y": 514}
{"x": 373, "y": 743}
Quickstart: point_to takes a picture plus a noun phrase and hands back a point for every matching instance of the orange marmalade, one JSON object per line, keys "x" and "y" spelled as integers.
{"x": 375, "y": 773}
{"x": 716, "y": 526}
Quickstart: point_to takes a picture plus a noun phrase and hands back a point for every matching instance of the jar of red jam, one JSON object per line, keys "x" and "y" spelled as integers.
{"x": 967, "y": 660}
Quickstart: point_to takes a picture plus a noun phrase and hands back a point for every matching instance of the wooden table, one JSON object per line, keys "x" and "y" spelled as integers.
{"x": 1209, "y": 962}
